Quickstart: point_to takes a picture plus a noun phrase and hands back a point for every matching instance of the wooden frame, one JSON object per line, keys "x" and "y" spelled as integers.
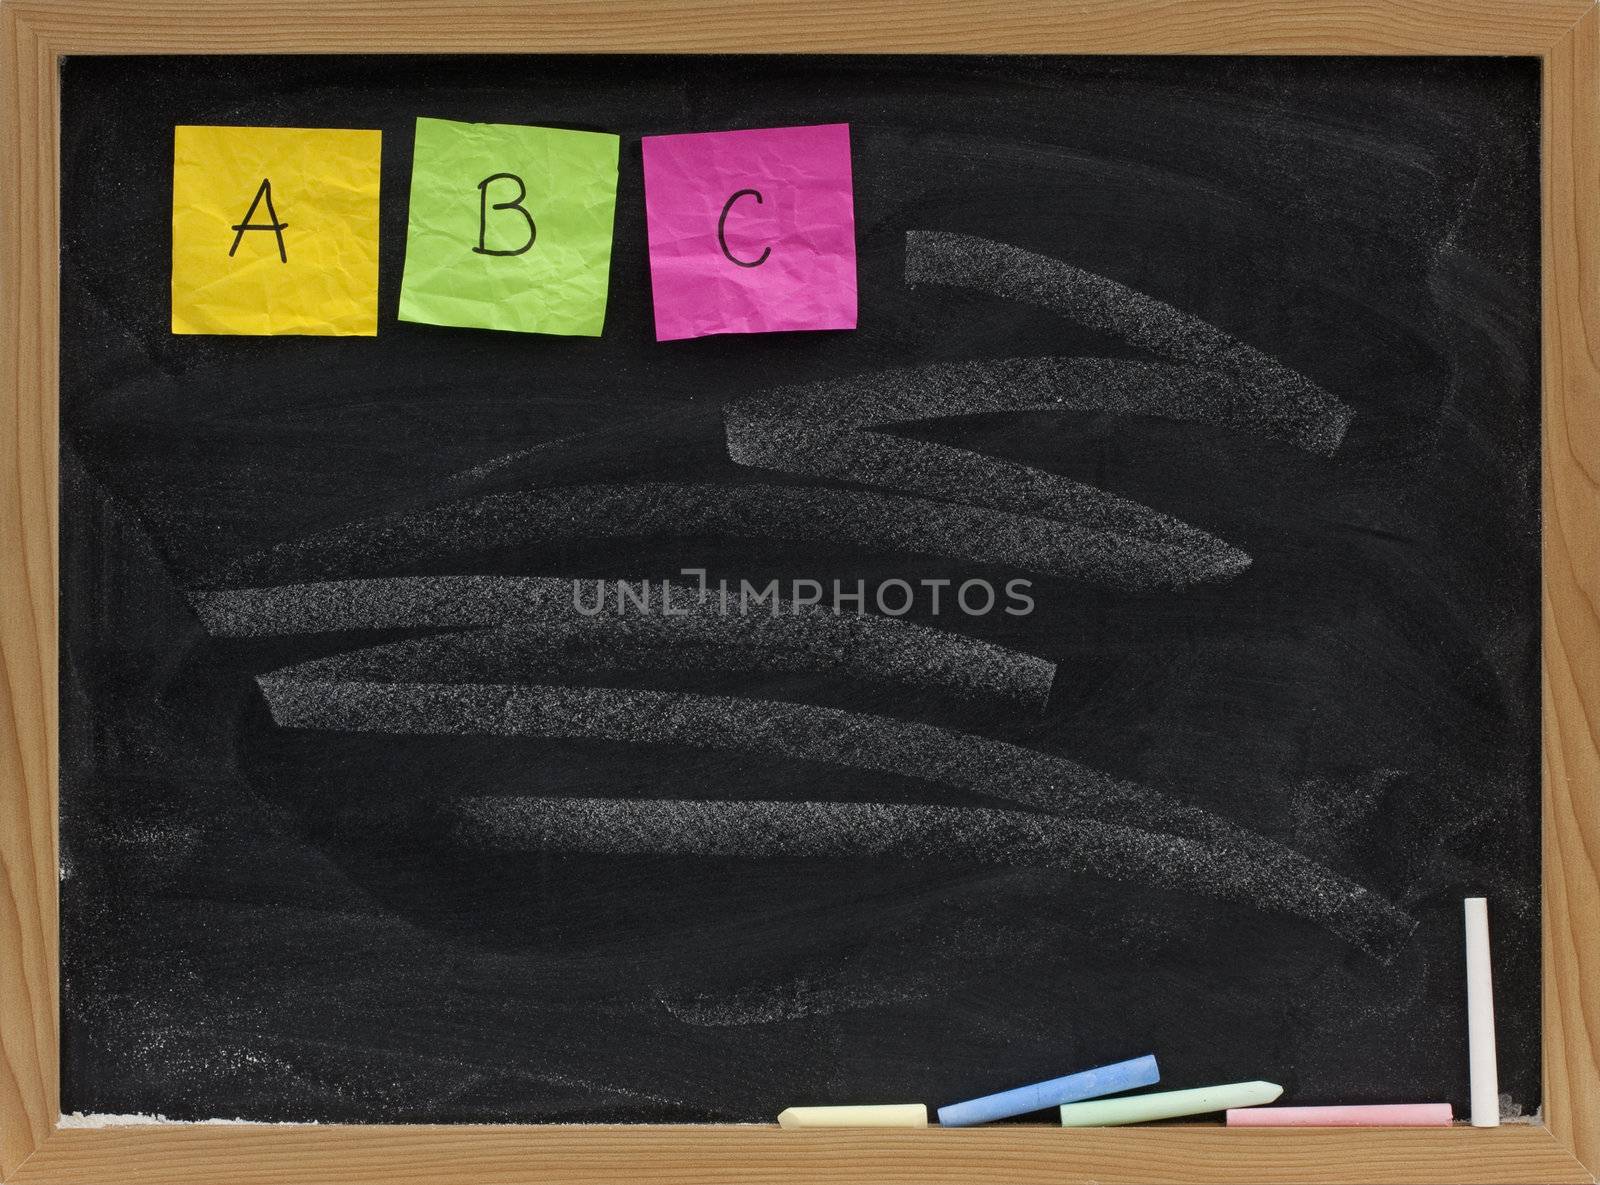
{"x": 35, "y": 34}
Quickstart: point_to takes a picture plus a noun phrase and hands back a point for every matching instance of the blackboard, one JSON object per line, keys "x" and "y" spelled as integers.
{"x": 1233, "y": 361}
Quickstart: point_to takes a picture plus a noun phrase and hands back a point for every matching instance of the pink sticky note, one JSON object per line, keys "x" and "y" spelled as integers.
{"x": 751, "y": 231}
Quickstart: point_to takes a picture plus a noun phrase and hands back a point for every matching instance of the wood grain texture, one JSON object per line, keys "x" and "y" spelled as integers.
{"x": 757, "y": 1155}
{"x": 33, "y": 34}
{"x": 28, "y": 301}
{"x": 822, "y": 26}
{"x": 1571, "y": 614}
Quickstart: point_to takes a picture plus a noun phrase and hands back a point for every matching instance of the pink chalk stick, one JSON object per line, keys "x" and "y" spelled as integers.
{"x": 1392, "y": 1115}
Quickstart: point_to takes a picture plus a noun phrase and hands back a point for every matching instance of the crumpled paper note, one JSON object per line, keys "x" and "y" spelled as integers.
{"x": 751, "y": 231}
{"x": 310, "y": 265}
{"x": 510, "y": 227}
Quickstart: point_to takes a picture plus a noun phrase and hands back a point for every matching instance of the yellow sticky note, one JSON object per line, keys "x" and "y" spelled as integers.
{"x": 275, "y": 230}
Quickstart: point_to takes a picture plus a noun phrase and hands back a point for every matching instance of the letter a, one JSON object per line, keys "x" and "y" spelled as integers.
{"x": 276, "y": 227}
{"x": 514, "y": 204}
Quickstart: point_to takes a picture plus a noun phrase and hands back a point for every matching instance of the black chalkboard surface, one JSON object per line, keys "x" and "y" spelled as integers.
{"x": 1221, "y": 375}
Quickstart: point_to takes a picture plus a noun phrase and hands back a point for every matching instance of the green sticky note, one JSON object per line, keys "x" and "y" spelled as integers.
{"x": 510, "y": 227}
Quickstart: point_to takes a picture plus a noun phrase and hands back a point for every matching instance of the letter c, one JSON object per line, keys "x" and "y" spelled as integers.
{"x": 722, "y": 231}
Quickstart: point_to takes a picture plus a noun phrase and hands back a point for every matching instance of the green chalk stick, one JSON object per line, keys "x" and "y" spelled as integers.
{"x": 1168, "y": 1104}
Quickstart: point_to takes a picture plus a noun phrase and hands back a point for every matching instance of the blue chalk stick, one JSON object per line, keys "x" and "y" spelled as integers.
{"x": 1090, "y": 1084}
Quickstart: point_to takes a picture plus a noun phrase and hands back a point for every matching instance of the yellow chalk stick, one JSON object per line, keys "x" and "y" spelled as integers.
{"x": 886, "y": 1115}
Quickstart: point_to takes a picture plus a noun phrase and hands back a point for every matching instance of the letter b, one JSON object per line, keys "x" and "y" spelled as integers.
{"x": 514, "y": 204}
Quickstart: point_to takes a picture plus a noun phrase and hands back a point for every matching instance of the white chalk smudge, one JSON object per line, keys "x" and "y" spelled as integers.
{"x": 773, "y": 728}
{"x": 908, "y": 832}
{"x": 758, "y": 645}
{"x": 824, "y": 430}
{"x": 871, "y": 521}
{"x": 94, "y": 1121}
{"x": 785, "y": 1002}
{"x": 1267, "y": 395}
{"x": 543, "y": 632}
{"x": 333, "y": 606}
{"x": 1238, "y": 862}
{"x": 580, "y": 452}
{"x": 1511, "y": 1111}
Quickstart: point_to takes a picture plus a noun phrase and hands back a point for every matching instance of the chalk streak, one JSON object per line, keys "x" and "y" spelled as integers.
{"x": 793, "y": 1001}
{"x": 823, "y": 430}
{"x": 913, "y": 833}
{"x": 542, "y": 631}
{"x": 620, "y": 446}
{"x": 993, "y": 769}
{"x": 1266, "y": 395}
{"x": 863, "y": 519}
{"x": 390, "y": 602}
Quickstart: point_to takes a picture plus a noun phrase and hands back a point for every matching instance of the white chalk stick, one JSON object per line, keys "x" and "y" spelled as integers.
{"x": 1480, "y": 1017}
{"x": 884, "y": 1115}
